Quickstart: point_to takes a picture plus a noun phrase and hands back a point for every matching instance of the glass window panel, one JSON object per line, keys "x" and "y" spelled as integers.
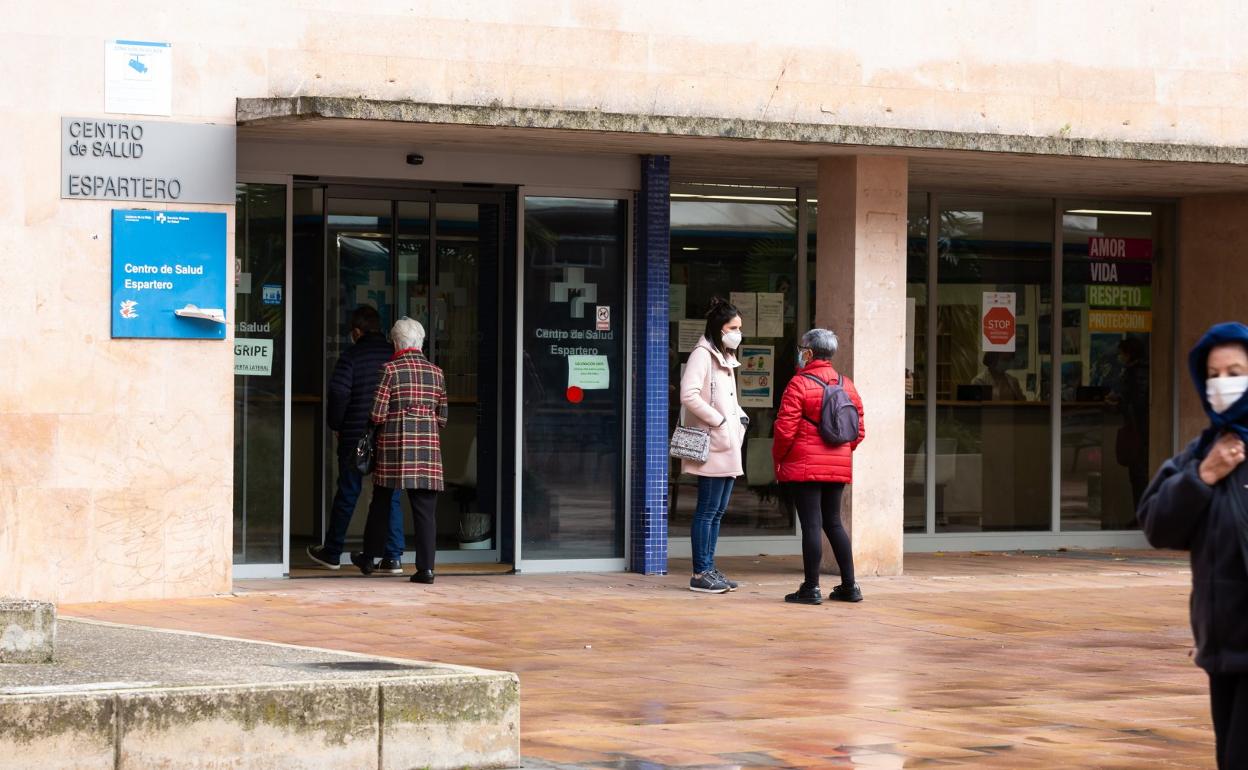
{"x": 993, "y": 418}
{"x": 720, "y": 247}
{"x": 1108, "y": 298}
{"x": 259, "y": 399}
{"x": 360, "y": 238}
{"x": 572, "y": 479}
{"x": 915, "y": 503}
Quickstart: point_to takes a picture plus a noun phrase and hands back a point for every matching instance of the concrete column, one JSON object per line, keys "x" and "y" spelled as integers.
{"x": 1213, "y": 232}
{"x": 861, "y": 295}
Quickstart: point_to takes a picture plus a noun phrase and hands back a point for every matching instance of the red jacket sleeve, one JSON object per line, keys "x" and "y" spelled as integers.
{"x": 788, "y": 420}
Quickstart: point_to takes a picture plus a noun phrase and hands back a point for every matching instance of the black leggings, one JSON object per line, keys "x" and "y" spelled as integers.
{"x": 819, "y": 510}
{"x": 1229, "y": 694}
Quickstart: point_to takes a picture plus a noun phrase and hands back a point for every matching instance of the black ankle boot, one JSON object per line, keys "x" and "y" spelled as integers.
{"x": 805, "y": 594}
{"x": 422, "y": 576}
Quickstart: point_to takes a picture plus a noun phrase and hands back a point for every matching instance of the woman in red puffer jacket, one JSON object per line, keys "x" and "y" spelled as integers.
{"x": 815, "y": 473}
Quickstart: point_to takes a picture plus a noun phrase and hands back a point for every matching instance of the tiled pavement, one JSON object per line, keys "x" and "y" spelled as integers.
{"x": 1064, "y": 660}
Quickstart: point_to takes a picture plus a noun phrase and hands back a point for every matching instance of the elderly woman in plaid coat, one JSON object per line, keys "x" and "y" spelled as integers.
{"x": 410, "y": 407}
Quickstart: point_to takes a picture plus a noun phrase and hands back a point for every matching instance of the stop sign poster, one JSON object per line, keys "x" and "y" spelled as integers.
{"x": 998, "y": 324}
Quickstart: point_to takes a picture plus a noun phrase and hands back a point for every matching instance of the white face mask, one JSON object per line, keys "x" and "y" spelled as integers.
{"x": 732, "y": 340}
{"x": 1223, "y": 392}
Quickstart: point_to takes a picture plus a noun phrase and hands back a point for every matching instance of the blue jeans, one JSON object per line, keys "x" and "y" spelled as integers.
{"x": 350, "y": 484}
{"x": 713, "y": 494}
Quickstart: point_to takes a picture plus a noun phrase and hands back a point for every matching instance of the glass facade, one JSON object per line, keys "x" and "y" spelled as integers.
{"x": 574, "y": 372}
{"x": 1109, "y": 253}
{"x": 915, "y": 490}
{"x": 260, "y": 395}
{"x": 739, "y": 244}
{"x": 1038, "y": 392}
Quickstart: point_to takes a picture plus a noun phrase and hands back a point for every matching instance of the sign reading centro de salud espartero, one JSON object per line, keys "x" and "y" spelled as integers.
{"x": 147, "y": 160}
{"x": 169, "y": 274}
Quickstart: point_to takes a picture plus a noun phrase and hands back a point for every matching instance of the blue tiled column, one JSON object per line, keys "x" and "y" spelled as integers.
{"x": 651, "y": 275}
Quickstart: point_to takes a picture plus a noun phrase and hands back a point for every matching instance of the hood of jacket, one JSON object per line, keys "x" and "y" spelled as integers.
{"x": 1233, "y": 419}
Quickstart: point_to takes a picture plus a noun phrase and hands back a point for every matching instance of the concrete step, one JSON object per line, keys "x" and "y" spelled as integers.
{"x": 126, "y": 697}
{"x": 27, "y": 631}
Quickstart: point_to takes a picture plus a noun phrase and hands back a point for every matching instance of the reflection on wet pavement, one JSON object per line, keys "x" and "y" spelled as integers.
{"x": 1019, "y": 660}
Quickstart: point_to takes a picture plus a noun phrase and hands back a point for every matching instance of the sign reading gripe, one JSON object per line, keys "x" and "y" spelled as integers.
{"x": 145, "y": 160}
{"x": 253, "y": 356}
{"x": 997, "y": 322}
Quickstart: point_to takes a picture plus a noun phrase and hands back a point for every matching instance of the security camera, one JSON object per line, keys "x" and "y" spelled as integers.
{"x": 415, "y": 159}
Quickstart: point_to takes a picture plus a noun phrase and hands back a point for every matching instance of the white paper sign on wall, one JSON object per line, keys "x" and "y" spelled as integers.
{"x": 138, "y": 77}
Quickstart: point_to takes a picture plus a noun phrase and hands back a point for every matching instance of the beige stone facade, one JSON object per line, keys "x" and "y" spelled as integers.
{"x": 117, "y": 456}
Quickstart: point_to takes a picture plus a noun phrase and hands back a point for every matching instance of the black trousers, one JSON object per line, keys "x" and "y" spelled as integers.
{"x": 819, "y": 510}
{"x": 425, "y": 526}
{"x": 1229, "y": 696}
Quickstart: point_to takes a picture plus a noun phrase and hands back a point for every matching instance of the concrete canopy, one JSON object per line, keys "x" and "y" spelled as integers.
{"x": 734, "y": 151}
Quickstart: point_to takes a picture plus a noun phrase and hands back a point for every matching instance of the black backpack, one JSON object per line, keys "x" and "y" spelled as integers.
{"x": 838, "y": 417}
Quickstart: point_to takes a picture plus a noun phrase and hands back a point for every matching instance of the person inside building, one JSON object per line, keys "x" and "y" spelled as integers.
{"x": 411, "y": 409}
{"x": 1131, "y": 399}
{"x": 813, "y": 472}
{"x": 708, "y": 396}
{"x": 1198, "y": 502}
{"x": 1005, "y": 386}
{"x": 351, "y": 389}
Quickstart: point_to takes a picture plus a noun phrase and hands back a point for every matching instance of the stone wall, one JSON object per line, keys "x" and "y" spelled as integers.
{"x": 1212, "y": 286}
{"x": 1163, "y": 71}
{"x": 116, "y": 455}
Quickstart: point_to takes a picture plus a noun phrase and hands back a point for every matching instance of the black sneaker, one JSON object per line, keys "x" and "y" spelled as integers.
{"x": 390, "y": 566}
{"x": 317, "y": 554}
{"x": 805, "y": 595}
{"x": 708, "y": 583}
{"x": 732, "y": 584}
{"x": 365, "y": 563}
{"x": 844, "y": 593}
{"x": 422, "y": 576}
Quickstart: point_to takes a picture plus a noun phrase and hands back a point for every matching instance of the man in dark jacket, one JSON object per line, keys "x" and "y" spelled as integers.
{"x": 351, "y": 390}
{"x": 1198, "y": 502}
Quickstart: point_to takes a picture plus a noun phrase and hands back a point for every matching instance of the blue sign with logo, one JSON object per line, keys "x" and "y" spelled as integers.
{"x": 271, "y": 294}
{"x": 169, "y": 274}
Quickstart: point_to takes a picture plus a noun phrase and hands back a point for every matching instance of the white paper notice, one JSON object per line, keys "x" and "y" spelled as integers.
{"x": 253, "y": 356}
{"x": 678, "y": 307}
{"x": 747, "y": 305}
{"x": 688, "y": 332}
{"x": 770, "y": 314}
{"x": 756, "y": 375}
{"x": 588, "y": 372}
{"x": 138, "y": 77}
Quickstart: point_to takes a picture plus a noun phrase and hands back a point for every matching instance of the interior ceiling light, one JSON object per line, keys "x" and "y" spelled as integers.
{"x": 689, "y": 248}
{"x": 1106, "y": 211}
{"x": 748, "y": 198}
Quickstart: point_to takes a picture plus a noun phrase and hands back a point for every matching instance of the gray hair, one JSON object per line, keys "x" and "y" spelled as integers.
{"x": 407, "y": 333}
{"x": 821, "y": 342}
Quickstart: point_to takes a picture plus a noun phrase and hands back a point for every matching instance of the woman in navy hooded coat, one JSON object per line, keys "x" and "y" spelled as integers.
{"x": 1198, "y": 502}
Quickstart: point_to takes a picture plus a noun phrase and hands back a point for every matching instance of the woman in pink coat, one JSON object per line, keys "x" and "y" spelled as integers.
{"x": 815, "y": 473}
{"x": 708, "y": 397}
